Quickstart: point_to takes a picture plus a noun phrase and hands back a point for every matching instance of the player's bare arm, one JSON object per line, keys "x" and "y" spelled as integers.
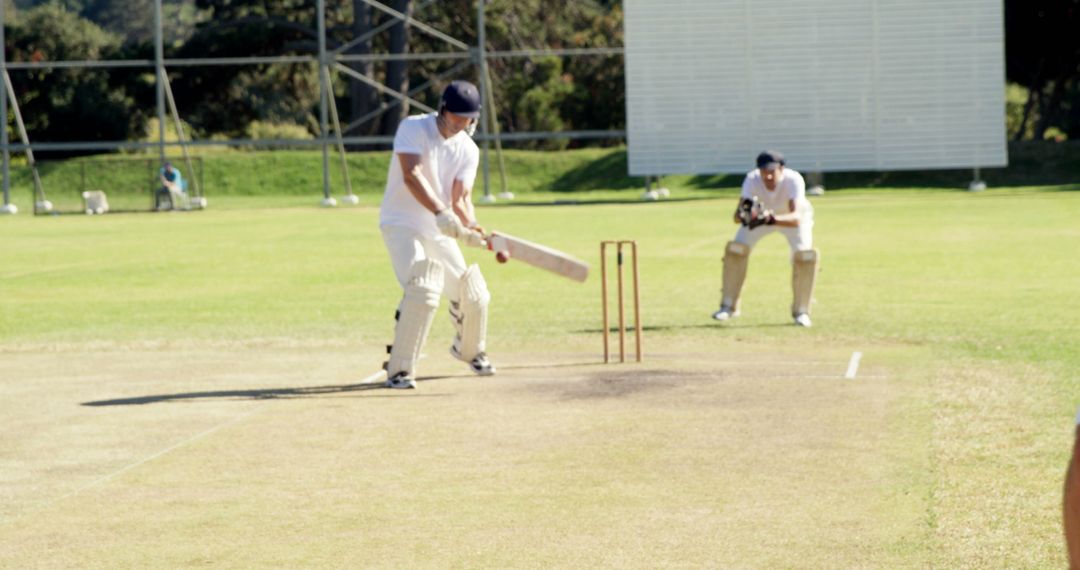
{"x": 461, "y": 203}
{"x": 791, "y": 218}
{"x": 417, "y": 184}
{"x": 461, "y": 197}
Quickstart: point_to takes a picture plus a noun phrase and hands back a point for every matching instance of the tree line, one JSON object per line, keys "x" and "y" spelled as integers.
{"x": 281, "y": 100}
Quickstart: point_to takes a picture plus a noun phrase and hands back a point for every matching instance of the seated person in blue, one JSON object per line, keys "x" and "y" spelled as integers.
{"x": 172, "y": 187}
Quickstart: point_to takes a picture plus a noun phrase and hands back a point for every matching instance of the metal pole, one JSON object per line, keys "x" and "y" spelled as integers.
{"x": 21, "y": 126}
{"x": 196, "y": 191}
{"x": 494, "y": 118}
{"x": 4, "y": 111}
{"x": 323, "y": 94}
{"x": 349, "y": 196}
{"x": 159, "y": 63}
{"x": 481, "y": 40}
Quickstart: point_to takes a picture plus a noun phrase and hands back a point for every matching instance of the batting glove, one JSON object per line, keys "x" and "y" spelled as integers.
{"x": 473, "y": 238}
{"x": 449, "y": 224}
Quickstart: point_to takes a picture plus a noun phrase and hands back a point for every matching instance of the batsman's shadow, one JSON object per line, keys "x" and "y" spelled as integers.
{"x": 254, "y": 394}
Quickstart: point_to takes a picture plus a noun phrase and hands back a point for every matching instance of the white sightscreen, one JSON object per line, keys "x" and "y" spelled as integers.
{"x": 835, "y": 85}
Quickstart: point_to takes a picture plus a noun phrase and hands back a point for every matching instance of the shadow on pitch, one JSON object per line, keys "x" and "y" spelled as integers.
{"x": 258, "y": 394}
{"x": 550, "y": 365}
{"x": 709, "y": 325}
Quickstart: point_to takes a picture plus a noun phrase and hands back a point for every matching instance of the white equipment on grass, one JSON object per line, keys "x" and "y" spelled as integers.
{"x": 538, "y": 255}
{"x": 95, "y": 202}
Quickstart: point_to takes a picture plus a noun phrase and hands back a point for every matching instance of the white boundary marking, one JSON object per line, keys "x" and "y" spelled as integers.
{"x": 125, "y": 469}
{"x": 853, "y": 365}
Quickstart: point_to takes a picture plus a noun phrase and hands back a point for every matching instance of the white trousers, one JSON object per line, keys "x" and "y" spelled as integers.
{"x": 800, "y": 238}
{"x": 407, "y": 247}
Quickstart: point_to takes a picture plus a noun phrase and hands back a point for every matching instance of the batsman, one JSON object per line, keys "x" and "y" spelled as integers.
{"x": 426, "y": 210}
{"x": 773, "y": 200}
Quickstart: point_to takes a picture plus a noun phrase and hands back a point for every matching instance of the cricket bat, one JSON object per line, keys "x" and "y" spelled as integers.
{"x": 507, "y": 246}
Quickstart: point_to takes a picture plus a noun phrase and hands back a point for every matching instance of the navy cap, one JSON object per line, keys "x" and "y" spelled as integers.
{"x": 462, "y": 98}
{"x": 770, "y": 159}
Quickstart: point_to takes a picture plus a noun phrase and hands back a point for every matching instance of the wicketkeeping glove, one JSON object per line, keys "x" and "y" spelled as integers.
{"x": 752, "y": 213}
{"x": 763, "y": 218}
{"x": 742, "y": 212}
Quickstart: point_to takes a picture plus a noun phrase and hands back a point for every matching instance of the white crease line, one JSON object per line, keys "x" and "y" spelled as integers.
{"x": 783, "y": 362}
{"x": 375, "y": 378}
{"x": 808, "y": 377}
{"x": 853, "y": 365}
{"x": 127, "y": 468}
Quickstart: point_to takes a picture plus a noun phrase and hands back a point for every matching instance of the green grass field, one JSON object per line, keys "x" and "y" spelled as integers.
{"x": 181, "y": 389}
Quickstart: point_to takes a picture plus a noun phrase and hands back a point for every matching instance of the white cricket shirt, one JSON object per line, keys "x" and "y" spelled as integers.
{"x": 442, "y": 161}
{"x": 791, "y": 186}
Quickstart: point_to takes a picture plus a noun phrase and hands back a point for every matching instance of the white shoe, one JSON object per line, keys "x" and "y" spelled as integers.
{"x": 803, "y": 320}
{"x": 479, "y": 364}
{"x": 401, "y": 381}
{"x": 724, "y": 314}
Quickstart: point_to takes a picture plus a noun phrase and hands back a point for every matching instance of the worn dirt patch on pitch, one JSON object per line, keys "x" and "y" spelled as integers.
{"x": 627, "y": 383}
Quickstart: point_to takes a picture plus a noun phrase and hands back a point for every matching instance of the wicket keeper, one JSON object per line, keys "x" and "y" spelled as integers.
{"x": 773, "y": 200}
{"x": 426, "y": 210}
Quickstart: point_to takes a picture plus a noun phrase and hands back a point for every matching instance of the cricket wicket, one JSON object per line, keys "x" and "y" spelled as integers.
{"x": 604, "y": 297}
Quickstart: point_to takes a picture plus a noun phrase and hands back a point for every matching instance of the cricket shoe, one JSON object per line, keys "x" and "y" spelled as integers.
{"x": 725, "y": 313}
{"x": 803, "y": 320}
{"x": 479, "y": 364}
{"x": 401, "y": 381}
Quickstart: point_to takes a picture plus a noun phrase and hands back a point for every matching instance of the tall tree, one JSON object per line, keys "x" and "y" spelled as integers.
{"x": 1043, "y": 54}
{"x": 397, "y": 71}
{"x": 69, "y": 104}
{"x": 361, "y": 95}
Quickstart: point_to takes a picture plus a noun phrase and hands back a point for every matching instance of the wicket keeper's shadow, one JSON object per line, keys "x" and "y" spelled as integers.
{"x": 256, "y": 394}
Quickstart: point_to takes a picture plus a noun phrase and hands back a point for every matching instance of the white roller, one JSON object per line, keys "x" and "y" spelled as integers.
{"x": 95, "y": 202}
{"x": 470, "y": 317}
{"x": 417, "y": 310}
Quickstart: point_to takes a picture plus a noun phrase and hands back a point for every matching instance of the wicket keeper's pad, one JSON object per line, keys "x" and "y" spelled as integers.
{"x": 417, "y": 310}
{"x": 736, "y": 258}
{"x": 803, "y": 275}
{"x": 471, "y": 317}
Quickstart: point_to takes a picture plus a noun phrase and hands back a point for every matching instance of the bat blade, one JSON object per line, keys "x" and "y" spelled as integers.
{"x": 540, "y": 256}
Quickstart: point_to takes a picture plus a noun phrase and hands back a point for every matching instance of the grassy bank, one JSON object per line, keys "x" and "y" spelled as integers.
{"x": 576, "y": 175}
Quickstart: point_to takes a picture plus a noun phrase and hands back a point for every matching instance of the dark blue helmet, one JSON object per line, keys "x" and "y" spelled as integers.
{"x": 462, "y": 98}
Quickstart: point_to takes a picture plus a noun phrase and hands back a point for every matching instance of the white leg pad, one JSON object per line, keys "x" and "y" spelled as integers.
{"x": 803, "y": 276}
{"x": 470, "y": 314}
{"x": 736, "y": 260}
{"x": 417, "y": 310}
